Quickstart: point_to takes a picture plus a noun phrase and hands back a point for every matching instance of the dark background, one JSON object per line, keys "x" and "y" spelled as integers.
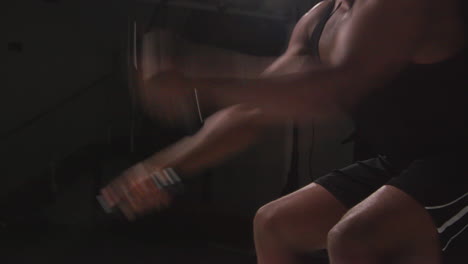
{"x": 69, "y": 125}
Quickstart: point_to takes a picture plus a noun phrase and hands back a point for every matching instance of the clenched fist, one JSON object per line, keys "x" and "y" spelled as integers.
{"x": 136, "y": 192}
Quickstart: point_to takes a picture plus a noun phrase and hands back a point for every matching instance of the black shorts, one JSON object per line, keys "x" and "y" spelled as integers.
{"x": 438, "y": 182}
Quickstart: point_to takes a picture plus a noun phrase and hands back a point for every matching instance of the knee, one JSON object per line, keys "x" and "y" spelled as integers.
{"x": 341, "y": 235}
{"x": 351, "y": 239}
{"x": 269, "y": 219}
{"x": 350, "y": 229}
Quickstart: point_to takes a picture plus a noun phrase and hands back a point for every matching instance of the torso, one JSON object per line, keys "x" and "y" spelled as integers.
{"x": 444, "y": 36}
{"x": 398, "y": 111}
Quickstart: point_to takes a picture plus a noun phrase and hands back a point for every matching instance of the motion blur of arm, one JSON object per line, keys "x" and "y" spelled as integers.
{"x": 226, "y": 131}
{"x": 163, "y": 49}
{"x": 235, "y": 127}
{"x": 375, "y": 40}
{"x": 223, "y": 134}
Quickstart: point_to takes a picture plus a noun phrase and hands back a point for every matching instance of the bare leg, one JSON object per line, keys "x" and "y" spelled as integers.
{"x": 388, "y": 227}
{"x": 296, "y": 223}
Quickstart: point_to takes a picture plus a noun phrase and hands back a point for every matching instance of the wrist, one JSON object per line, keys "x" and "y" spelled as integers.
{"x": 168, "y": 179}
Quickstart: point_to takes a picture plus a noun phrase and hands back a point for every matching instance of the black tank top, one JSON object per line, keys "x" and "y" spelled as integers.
{"x": 422, "y": 111}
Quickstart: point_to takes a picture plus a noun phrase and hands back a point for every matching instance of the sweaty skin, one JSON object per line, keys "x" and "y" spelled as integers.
{"x": 361, "y": 47}
{"x": 365, "y": 42}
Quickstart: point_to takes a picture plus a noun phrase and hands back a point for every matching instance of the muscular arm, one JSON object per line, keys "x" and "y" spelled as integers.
{"x": 224, "y": 133}
{"x": 356, "y": 63}
{"x": 377, "y": 38}
{"x": 233, "y": 129}
{"x": 163, "y": 49}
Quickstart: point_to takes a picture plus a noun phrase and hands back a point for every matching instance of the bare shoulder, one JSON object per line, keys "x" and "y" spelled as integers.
{"x": 304, "y": 27}
{"x": 435, "y": 27}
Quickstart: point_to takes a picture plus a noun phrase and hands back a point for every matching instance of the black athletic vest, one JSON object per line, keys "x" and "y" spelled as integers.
{"x": 421, "y": 111}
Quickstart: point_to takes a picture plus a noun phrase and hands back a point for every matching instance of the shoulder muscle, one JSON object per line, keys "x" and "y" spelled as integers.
{"x": 301, "y": 33}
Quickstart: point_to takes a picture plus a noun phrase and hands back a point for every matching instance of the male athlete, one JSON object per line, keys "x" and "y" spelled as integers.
{"x": 398, "y": 67}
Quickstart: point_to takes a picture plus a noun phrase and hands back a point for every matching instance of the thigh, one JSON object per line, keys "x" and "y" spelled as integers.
{"x": 354, "y": 183}
{"x": 389, "y": 224}
{"x": 439, "y": 183}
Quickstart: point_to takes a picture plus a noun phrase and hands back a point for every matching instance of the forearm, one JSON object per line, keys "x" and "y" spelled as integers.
{"x": 299, "y": 96}
{"x": 188, "y": 156}
{"x": 194, "y": 154}
{"x": 223, "y": 135}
